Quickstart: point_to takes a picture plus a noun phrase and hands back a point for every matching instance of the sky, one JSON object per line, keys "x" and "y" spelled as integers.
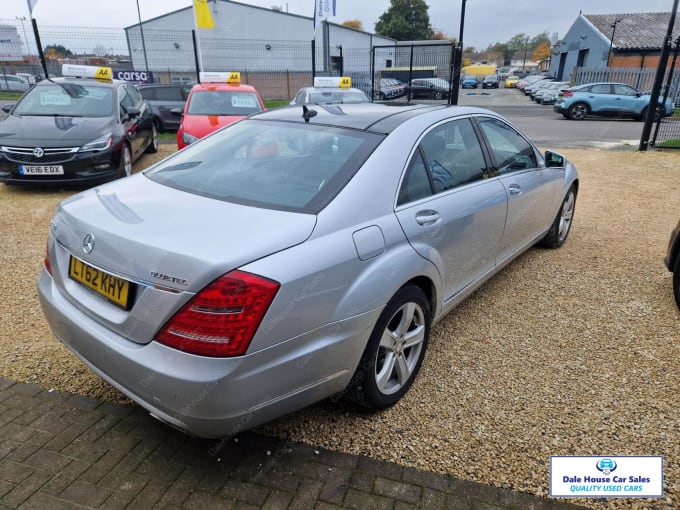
{"x": 486, "y": 21}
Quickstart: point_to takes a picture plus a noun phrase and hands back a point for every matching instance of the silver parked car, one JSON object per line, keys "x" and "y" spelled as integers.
{"x": 296, "y": 254}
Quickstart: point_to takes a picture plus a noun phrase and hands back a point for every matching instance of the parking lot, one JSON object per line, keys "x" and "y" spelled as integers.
{"x": 567, "y": 352}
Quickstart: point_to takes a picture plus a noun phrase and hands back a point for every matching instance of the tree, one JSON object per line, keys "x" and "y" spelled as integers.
{"x": 541, "y": 52}
{"x": 405, "y": 20}
{"x": 56, "y": 51}
{"x": 353, "y": 23}
{"x": 439, "y": 35}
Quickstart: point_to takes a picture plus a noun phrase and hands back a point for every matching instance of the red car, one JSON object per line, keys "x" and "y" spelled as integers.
{"x": 219, "y": 100}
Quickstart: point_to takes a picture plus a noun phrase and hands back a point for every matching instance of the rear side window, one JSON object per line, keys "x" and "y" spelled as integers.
{"x": 601, "y": 89}
{"x": 275, "y": 165}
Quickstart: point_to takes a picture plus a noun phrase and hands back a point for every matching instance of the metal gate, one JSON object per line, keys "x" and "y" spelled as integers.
{"x": 667, "y": 132}
{"x": 428, "y": 64}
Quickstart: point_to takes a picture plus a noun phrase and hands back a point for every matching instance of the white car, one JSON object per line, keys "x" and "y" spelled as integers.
{"x": 12, "y": 83}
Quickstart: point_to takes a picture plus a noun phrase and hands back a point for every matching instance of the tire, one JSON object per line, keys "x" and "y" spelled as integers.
{"x": 153, "y": 146}
{"x": 438, "y": 95}
{"x": 561, "y": 226}
{"x": 394, "y": 352}
{"x": 565, "y": 115}
{"x": 657, "y": 116}
{"x": 125, "y": 165}
{"x": 676, "y": 280}
{"x": 578, "y": 111}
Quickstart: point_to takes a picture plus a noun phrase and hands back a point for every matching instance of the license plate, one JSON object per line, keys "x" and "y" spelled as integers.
{"x": 41, "y": 170}
{"x": 115, "y": 289}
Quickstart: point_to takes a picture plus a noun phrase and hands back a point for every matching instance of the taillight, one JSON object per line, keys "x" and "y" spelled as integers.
{"x": 567, "y": 93}
{"x": 48, "y": 266}
{"x": 221, "y": 320}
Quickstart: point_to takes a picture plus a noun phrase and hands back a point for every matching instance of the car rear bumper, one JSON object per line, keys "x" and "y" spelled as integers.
{"x": 212, "y": 397}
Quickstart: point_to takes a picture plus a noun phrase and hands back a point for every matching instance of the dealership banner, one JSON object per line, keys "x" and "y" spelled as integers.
{"x": 134, "y": 76}
{"x": 606, "y": 477}
{"x": 322, "y": 10}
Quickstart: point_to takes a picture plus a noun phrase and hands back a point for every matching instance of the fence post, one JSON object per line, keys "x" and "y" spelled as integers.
{"x": 198, "y": 68}
{"x": 313, "y": 59}
{"x": 660, "y": 72}
{"x": 40, "y": 50}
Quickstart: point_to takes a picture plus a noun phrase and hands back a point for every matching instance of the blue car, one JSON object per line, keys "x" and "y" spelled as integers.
{"x": 470, "y": 82}
{"x": 607, "y": 100}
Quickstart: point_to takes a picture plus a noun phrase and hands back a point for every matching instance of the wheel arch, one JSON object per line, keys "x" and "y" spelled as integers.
{"x": 425, "y": 284}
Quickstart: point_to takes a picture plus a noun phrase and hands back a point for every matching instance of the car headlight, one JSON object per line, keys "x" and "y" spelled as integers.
{"x": 98, "y": 144}
{"x": 189, "y": 139}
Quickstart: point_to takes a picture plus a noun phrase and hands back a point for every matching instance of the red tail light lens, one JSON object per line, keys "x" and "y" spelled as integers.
{"x": 48, "y": 266}
{"x": 567, "y": 93}
{"x": 221, "y": 320}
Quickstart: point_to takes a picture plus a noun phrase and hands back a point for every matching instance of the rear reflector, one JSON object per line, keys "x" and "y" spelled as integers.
{"x": 48, "y": 266}
{"x": 221, "y": 320}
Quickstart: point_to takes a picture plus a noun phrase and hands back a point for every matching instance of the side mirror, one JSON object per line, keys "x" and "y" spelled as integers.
{"x": 179, "y": 111}
{"x": 7, "y": 108}
{"x": 554, "y": 160}
{"x": 133, "y": 111}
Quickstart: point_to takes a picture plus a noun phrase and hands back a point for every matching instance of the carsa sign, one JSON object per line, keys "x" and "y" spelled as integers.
{"x": 134, "y": 76}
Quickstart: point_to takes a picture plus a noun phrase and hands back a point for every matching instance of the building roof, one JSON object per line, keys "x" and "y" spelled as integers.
{"x": 634, "y": 31}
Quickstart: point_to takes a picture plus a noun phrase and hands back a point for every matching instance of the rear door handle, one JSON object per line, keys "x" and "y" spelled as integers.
{"x": 427, "y": 217}
{"x": 514, "y": 189}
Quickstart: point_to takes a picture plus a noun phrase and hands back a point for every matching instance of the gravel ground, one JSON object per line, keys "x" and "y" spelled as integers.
{"x": 567, "y": 352}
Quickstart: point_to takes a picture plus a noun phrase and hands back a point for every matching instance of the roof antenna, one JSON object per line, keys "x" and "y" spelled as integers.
{"x": 307, "y": 113}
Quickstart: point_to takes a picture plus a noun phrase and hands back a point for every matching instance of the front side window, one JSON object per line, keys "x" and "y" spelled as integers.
{"x": 169, "y": 94}
{"x": 510, "y": 150}
{"x": 66, "y": 99}
{"x": 625, "y": 90}
{"x": 276, "y": 165}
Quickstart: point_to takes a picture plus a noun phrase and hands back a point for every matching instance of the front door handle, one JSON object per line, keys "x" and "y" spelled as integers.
{"x": 514, "y": 190}
{"x": 427, "y": 217}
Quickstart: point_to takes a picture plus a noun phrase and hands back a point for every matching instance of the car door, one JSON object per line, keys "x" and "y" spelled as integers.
{"x": 628, "y": 99}
{"x": 601, "y": 99}
{"x": 131, "y": 123}
{"x": 138, "y": 127}
{"x": 531, "y": 188}
{"x": 167, "y": 98}
{"x": 449, "y": 212}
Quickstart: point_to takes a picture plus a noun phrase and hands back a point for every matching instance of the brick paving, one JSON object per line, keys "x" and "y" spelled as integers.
{"x": 63, "y": 451}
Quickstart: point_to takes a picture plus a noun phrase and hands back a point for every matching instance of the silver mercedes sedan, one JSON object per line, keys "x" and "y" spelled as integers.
{"x": 297, "y": 254}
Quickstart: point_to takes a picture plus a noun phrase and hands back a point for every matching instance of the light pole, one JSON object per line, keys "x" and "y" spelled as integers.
{"x": 611, "y": 41}
{"x": 141, "y": 32}
{"x": 23, "y": 29}
{"x": 526, "y": 49}
{"x": 458, "y": 59}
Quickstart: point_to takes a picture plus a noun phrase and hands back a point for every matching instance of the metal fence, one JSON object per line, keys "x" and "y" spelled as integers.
{"x": 276, "y": 68}
{"x": 666, "y": 132}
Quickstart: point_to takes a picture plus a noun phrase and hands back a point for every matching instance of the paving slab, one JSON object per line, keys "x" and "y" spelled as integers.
{"x": 64, "y": 451}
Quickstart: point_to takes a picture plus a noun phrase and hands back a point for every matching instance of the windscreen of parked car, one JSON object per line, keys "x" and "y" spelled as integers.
{"x": 337, "y": 96}
{"x": 223, "y": 102}
{"x": 274, "y": 165}
{"x": 66, "y": 99}
{"x": 438, "y": 82}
